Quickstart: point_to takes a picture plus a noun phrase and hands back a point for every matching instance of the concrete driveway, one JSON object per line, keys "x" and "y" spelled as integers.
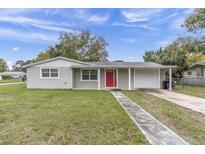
{"x": 194, "y": 103}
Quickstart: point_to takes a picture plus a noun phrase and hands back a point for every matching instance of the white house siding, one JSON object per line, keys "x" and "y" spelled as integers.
{"x": 34, "y": 80}
{"x": 65, "y": 75}
{"x": 102, "y": 78}
{"x": 147, "y": 79}
{"x": 204, "y": 71}
{"x": 123, "y": 79}
{"x": 77, "y": 83}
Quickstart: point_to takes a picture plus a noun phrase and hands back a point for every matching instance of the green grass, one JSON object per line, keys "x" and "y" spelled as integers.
{"x": 188, "y": 124}
{"x": 63, "y": 117}
{"x": 9, "y": 81}
{"x": 197, "y": 91}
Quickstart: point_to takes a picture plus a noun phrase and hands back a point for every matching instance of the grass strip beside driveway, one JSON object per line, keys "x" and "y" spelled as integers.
{"x": 10, "y": 81}
{"x": 186, "y": 123}
{"x": 63, "y": 117}
{"x": 198, "y": 91}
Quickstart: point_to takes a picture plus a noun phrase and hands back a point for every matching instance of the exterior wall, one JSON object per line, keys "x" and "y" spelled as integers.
{"x": 65, "y": 80}
{"x": 204, "y": 71}
{"x": 34, "y": 80}
{"x": 0, "y": 77}
{"x": 71, "y": 78}
{"x": 123, "y": 79}
{"x": 102, "y": 78}
{"x": 195, "y": 71}
{"x": 77, "y": 83}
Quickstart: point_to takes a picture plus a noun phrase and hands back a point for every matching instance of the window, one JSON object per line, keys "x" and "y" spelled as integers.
{"x": 189, "y": 73}
{"x": 54, "y": 73}
{"x": 89, "y": 74}
{"x": 49, "y": 73}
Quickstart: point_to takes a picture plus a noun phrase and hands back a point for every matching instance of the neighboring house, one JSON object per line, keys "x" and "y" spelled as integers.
{"x": 65, "y": 73}
{"x": 196, "y": 70}
{"x": 15, "y": 75}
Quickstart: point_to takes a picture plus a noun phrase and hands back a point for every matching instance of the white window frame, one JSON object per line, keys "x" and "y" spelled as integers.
{"x": 41, "y": 77}
{"x": 81, "y": 74}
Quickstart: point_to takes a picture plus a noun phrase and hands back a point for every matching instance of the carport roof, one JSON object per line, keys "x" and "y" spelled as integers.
{"x": 123, "y": 65}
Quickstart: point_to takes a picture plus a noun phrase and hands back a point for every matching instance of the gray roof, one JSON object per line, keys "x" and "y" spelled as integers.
{"x": 202, "y": 63}
{"x": 123, "y": 65}
{"x": 105, "y": 64}
{"x": 52, "y": 59}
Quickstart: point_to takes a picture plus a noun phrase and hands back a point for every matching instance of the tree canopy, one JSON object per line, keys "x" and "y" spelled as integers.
{"x": 3, "y": 65}
{"x": 196, "y": 21}
{"x": 19, "y": 63}
{"x": 82, "y": 46}
{"x": 182, "y": 52}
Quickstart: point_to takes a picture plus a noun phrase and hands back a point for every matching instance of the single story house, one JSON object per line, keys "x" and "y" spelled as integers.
{"x": 65, "y": 73}
{"x": 15, "y": 75}
{"x": 196, "y": 70}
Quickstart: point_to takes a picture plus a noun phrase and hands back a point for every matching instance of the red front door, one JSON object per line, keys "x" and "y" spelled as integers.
{"x": 111, "y": 78}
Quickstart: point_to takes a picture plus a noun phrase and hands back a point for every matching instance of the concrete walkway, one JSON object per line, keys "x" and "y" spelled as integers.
{"x": 194, "y": 103}
{"x": 13, "y": 83}
{"x": 155, "y": 132}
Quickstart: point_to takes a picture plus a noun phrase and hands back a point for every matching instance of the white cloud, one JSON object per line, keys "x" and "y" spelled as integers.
{"x": 33, "y": 22}
{"x": 144, "y": 26}
{"x": 165, "y": 42}
{"x": 123, "y": 24}
{"x": 4, "y": 12}
{"x": 15, "y": 48}
{"x": 137, "y": 15}
{"x": 26, "y": 36}
{"x": 176, "y": 24}
{"x": 188, "y": 11}
{"x": 97, "y": 19}
{"x": 129, "y": 40}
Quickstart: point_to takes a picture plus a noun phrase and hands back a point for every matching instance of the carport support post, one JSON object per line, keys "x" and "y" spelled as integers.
{"x": 170, "y": 78}
{"x": 129, "y": 80}
{"x": 98, "y": 78}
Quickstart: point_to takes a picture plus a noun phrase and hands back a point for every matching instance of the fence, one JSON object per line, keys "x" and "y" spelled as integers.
{"x": 194, "y": 81}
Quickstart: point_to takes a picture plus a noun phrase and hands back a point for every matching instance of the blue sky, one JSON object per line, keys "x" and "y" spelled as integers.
{"x": 26, "y": 32}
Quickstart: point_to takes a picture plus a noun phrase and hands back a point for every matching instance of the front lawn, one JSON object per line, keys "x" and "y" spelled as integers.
{"x": 63, "y": 117}
{"x": 186, "y": 123}
{"x": 10, "y": 81}
{"x": 198, "y": 91}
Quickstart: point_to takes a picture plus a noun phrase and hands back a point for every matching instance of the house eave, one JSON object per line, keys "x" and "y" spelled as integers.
{"x": 135, "y": 67}
{"x": 52, "y": 59}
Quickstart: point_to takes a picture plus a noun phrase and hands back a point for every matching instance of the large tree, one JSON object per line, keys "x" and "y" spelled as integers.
{"x": 3, "y": 65}
{"x": 18, "y": 66}
{"x": 196, "y": 21}
{"x": 82, "y": 46}
{"x": 182, "y": 52}
{"x": 152, "y": 55}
